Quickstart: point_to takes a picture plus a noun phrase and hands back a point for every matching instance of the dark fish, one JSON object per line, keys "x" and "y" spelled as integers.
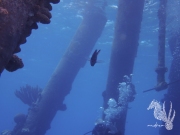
{"x": 93, "y": 59}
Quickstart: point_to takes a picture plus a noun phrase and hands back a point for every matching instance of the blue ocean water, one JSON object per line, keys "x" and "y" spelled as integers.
{"x": 43, "y": 51}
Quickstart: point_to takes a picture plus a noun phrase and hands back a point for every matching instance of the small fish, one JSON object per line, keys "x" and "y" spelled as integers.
{"x": 93, "y": 59}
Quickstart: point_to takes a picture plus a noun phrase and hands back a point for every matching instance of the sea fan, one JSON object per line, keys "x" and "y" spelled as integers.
{"x": 28, "y": 94}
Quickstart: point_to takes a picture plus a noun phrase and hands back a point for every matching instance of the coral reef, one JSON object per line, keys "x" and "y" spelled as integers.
{"x": 41, "y": 14}
{"x": 17, "y": 19}
{"x": 20, "y": 118}
{"x": 115, "y": 109}
{"x": 14, "y": 63}
{"x": 28, "y": 94}
{"x": 3, "y": 11}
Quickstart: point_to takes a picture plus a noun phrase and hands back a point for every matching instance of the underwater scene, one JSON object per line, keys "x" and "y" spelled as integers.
{"x": 90, "y": 67}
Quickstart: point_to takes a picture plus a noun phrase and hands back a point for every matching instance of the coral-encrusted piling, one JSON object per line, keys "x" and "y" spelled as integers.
{"x": 124, "y": 49}
{"x": 42, "y": 113}
{"x": 17, "y": 19}
{"x": 173, "y": 93}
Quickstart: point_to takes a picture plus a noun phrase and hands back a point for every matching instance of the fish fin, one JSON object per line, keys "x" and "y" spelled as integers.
{"x": 98, "y": 51}
{"x": 99, "y": 61}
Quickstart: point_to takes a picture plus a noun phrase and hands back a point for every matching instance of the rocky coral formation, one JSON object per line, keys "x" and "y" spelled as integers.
{"x": 20, "y": 118}
{"x": 14, "y": 63}
{"x": 3, "y": 11}
{"x": 17, "y": 19}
